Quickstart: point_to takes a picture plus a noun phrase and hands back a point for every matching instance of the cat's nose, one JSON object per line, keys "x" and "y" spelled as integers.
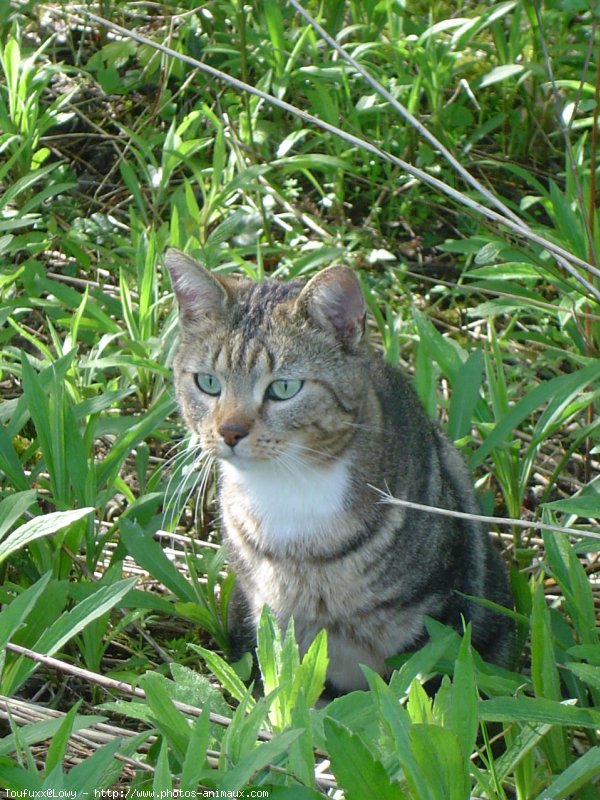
{"x": 232, "y": 432}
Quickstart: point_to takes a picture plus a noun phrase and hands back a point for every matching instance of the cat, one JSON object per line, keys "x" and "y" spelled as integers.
{"x": 307, "y": 423}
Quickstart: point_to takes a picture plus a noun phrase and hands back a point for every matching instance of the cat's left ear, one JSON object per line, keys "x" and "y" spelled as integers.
{"x": 335, "y": 302}
{"x": 199, "y": 293}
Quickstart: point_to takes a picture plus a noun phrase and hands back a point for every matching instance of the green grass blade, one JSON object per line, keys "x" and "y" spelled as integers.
{"x": 462, "y": 718}
{"x": 10, "y": 463}
{"x": 138, "y": 430}
{"x": 58, "y": 746}
{"x": 545, "y": 392}
{"x": 274, "y": 20}
{"x": 194, "y": 762}
{"x": 527, "y": 738}
{"x": 171, "y": 722}
{"x": 446, "y": 353}
{"x": 394, "y": 719}
{"x": 13, "y": 507}
{"x": 38, "y": 527}
{"x": 301, "y": 762}
{"x": 66, "y": 626}
{"x": 423, "y": 661}
{"x": 150, "y": 555}
{"x": 574, "y": 583}
{"x": 73, "y": 621}
{"x": 37, "y": 732}
{"x": 256, "y": 760}
{"x": 357, "y": 772}
{"x": 443, "y": 767}
{"x": 242, "y": 734}
{"x": 132, "y": 182}
{"x": 581, "y": 505}
{"x": 18, "y": 779}
{"x": 586, "y": 672}
{"x": 36, "y": 399}
{"x": 465, "y": 395}
{"x": 14, "y": 614}
{"x": 310, "y": 675}
{"x": 268, "y": 650}
{"x": 20, "y": 186}
{"x": 162, "y": 783}
{"x": 537, "y": 710}
{"x": 97, "y": 772}
{"x": 544, "y": 672}
{"x": 225, "y": 674}
{"x": 581, "y": 773}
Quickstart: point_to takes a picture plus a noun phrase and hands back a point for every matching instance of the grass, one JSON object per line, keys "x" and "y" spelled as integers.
{"x": 451, "y": 162}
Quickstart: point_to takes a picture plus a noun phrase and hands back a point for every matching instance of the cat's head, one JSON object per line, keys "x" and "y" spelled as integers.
{"x": 272, "y": 370}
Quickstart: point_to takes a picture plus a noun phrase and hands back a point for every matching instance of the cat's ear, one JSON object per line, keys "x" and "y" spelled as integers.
{"x": 334, "y": 300}
{"x": 198, "y": 292}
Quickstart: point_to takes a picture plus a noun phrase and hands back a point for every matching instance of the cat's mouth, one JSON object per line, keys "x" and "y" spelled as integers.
{"x": 251, "y": 459}
{"x": 251, "y": 452}
{"x": 242, "y": 462}
{"x": 237, "y": 455}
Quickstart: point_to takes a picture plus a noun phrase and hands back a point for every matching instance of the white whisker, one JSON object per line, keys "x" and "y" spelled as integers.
{"x": 198, "y": 476}
{"x": 363, "y": 427}
{"x": 290, "y": 463}
{"x": 205, "y": 473}
{"x": 191, "y": 463}
{"x": 323, "y": 456}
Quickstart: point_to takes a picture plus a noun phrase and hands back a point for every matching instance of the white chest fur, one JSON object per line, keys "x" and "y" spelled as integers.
{"x": 289, "y": 506}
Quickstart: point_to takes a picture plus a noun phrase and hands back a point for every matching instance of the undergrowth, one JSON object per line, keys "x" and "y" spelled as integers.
{"x": 484, "y": 286}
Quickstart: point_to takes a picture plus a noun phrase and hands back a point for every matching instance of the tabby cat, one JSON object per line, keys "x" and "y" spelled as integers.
{"x": 307, "y": 423}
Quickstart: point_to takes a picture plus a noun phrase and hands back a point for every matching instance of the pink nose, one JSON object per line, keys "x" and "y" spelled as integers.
{"x": 233, "y": 432}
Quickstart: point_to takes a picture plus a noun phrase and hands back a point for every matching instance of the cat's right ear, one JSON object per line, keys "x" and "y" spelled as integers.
{"x": 334, "y": 300}
{"x": 198, "y": 293}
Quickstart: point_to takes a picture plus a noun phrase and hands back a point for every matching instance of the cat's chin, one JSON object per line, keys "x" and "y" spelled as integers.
{"x": 239, "y": 461}
{"x": 248, "y": 463}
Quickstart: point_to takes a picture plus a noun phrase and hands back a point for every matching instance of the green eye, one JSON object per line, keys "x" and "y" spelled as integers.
{"x": 207, "y": 383}
{"x": 284, "y": 389}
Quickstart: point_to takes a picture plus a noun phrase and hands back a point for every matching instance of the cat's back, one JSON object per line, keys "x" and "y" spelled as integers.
{"x": 405, "y": 416}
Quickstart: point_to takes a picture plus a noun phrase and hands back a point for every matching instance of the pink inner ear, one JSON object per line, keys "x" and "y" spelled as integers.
{"x": 193, "y": 294}
{"x": 335, "y": 297}
{"x": 197, "y": 291}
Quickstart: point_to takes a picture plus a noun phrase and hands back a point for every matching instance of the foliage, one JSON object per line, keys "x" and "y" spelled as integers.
{"x": 110, "y": 151}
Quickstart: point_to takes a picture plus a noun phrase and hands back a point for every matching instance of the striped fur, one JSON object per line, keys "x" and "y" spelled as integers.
{"x": 306, "y": 531}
